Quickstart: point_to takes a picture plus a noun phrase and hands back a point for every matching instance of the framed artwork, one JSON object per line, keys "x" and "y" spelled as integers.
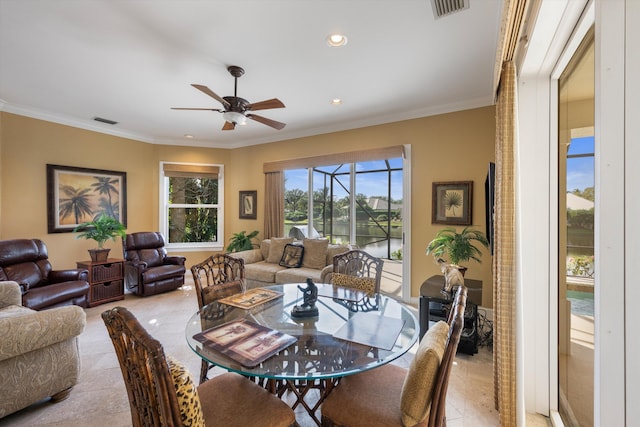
{"x": 76, "y": 195}
{"x": 451, "y": 203}
{"x": 248, "y": 202}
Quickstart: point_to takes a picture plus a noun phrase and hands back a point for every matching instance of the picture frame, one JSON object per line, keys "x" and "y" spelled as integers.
{"x": 76, "y": 195}
{"x": 248, "y": 204}
{"x": 451, "y": 202}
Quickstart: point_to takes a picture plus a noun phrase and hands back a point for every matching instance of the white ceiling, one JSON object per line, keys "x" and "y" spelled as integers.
{"x": 68, "y": 61}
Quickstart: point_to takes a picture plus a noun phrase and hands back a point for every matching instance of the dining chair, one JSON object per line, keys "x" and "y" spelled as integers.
{"x": 357, "y": 269}
{"x": 162, "y": 393}
{"x": 394, "y": 396}
{"x": 217, "y": 277}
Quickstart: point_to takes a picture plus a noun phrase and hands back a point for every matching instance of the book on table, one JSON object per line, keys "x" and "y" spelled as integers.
{"x": 251, "y": 298}
{"x": 245, "y": 342}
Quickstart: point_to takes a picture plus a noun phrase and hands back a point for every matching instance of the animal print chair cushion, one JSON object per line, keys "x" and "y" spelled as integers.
{"x": 367, "y": 284}
{"x": 188, "y": 400}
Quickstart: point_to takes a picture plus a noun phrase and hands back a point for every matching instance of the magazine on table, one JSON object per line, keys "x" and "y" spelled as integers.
{"x": 245, "y": 342}
{"x": 251, "y": 298}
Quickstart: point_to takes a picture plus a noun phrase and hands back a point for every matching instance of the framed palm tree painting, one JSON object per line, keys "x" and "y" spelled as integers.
{"x": 76, "y": 195}
{"x": 451, "y": 202}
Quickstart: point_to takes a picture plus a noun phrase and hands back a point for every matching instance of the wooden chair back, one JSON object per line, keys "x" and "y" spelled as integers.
{"x": 212, "y": 276}
{"x": 359, "y": 263}
{"x": 437, "y": 414}
{"x": 152, "y": 395}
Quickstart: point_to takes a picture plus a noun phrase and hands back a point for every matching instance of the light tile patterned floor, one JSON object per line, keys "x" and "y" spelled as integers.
{"x": 100, "y": 398}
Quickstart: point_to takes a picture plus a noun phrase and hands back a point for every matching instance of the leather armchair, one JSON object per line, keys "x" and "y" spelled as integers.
{"x": 26, "y": 262}
{"x": 147, "y": 268}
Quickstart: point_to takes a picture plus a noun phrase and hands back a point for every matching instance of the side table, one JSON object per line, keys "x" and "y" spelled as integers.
{"x": 105, "y": 279}
{"x": 430, "y": 293}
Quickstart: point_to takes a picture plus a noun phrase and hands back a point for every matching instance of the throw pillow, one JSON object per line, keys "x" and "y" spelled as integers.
{"x": 417, "y": 390}
{"x": 276, "y": 248}
{"x": 292, "y": 256}
{"x": 187, "y": 392}
{"x": 367, "y": 284}
{"x": 222, "y": 290}
{"x": 315, "y": 253}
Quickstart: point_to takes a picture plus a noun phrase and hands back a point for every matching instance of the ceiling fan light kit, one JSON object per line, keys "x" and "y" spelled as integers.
{"x": 235, "y": 117}
{"x": 236, "y": 109}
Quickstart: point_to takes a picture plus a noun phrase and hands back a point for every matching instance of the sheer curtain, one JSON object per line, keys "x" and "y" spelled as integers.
{"x": 504, "y": 260}
{"x": 273, "y": 204}
{"x": 504, "y": 273}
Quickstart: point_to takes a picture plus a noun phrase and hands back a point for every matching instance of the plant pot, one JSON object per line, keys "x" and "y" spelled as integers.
{"x": 99, "y": 255}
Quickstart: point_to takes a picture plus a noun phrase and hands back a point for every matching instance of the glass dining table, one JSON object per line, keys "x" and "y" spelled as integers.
{"x": 347, "y": 336}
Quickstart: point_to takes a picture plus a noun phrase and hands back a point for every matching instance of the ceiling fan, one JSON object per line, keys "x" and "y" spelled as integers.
{"x": 237, "y": 110}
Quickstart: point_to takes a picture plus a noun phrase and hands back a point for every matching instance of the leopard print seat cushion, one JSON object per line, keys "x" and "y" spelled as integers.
{"x": 188, "y": 400}
{"x": 366, "y": 284}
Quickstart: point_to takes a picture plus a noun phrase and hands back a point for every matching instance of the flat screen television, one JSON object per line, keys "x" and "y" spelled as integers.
{"x": 489, "y": 200}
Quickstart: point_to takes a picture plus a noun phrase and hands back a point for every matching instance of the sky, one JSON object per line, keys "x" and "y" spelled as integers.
{"x": 580, "y": 170}
{"x": 367, "y": 183}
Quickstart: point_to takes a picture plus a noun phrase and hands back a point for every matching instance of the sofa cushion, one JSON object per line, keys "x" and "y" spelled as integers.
{"x": 298, "y": 275}
{"x": 417, "y": 390}
{"x": 334, "y": 250}
{"x": 262, "y": 272}
{"x": 276, "y": 249}
{"x": 292, "y": 256}
{"x": 315, "y": 253}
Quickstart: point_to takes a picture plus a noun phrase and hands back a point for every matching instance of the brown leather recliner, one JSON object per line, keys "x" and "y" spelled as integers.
{"x": 147, "y": 269}
{"x": 26, "y": 262}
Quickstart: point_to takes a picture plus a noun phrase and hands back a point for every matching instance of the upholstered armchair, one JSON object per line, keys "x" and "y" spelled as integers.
{"x": 39, "y": 355}
{"x": 26, "y": 262}
{"x": 147, "y": 268}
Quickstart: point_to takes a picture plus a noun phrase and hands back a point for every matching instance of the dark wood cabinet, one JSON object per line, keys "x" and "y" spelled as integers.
{"x": 106, "y": 279}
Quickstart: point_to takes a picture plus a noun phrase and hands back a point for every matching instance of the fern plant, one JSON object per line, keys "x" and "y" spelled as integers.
{"x": 457, "y": 247}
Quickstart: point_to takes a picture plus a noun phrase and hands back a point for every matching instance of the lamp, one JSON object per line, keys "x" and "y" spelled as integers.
{"x": 234, "y": 117}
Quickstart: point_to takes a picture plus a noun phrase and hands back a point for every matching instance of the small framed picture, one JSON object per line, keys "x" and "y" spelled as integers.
{"x": 451, "y": 203}
{"x": 248, "y": 201}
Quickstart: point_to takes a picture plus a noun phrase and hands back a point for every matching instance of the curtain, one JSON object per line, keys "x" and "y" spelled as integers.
{"x": 504, "y": 273}
{"x": 273, "y": 204}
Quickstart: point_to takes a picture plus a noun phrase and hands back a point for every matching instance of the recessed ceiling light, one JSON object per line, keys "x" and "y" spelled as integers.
{"x": 336, "y": 101}
{"x": 336, "y": 40}
{"x": 188, "y": 136}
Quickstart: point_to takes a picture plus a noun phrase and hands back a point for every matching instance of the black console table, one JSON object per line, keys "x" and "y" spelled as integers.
{"x": 430, "y": 292}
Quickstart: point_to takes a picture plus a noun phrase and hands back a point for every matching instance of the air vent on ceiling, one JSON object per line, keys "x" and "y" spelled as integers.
{"x": 107, "y": 121}
{"x": 447, "y": 7}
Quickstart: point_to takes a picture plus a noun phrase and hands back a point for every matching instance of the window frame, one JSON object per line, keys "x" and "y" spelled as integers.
{"x": 164, "y": 211}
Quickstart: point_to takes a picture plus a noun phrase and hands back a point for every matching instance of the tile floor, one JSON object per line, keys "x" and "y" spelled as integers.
{"x": 100, "y": 398}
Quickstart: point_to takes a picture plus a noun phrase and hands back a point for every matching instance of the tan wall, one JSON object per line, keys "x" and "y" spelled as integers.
{"x": 450, "y": 147}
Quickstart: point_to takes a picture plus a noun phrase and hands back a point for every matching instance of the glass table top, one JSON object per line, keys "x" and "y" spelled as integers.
{"x": 315, "y": 353}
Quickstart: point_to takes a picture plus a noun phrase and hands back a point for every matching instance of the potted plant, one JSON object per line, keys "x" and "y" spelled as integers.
{"x": 457, "y": 247}
{"x": 241, "y": 241}
{"x": 101, "y": 229}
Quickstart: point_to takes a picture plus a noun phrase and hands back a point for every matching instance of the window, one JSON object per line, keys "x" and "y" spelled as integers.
{"x": 191, "y": 215}
{"x": 358, "y": 203}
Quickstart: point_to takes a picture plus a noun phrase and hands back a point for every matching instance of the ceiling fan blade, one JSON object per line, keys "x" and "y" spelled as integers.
{"x": 212, "y": 94}
{"x": 228, "y": 126}
{"x": 266, "y": 105}
{"x": 204, "y": 109}
{"x": 268, "y": 122}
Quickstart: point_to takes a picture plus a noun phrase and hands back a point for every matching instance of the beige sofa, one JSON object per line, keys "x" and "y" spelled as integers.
{"x": 39, "y": 355}
{"x": 262, "y": 266}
